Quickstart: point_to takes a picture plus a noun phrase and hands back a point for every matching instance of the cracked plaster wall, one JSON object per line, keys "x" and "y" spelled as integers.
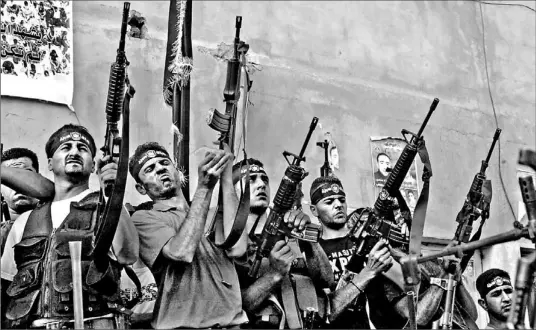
{"x": 364, "y": 68}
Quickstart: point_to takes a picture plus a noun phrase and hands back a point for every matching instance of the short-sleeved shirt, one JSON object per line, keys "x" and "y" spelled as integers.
{"x": 202, "y": 294}
{"x": 339, "y": 251}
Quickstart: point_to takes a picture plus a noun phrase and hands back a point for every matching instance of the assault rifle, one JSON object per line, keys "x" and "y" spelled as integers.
{"x": 523, "y": 297}
{"x": 275, "y": 229}
{"x": 380, "y": 219}
{"x": 325, "y": 170}
{"x": 472, "y": 205}
{"x": 225, "y": 124}
{"x": 117, "y": 103}
{"x": 529, "y": 231}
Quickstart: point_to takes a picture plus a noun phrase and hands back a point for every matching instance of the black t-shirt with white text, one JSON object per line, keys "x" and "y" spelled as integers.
{"x": 339, "y": 251}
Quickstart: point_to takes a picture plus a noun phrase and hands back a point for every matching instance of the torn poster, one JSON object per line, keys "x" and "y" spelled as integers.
{"x": 37, "y": 53}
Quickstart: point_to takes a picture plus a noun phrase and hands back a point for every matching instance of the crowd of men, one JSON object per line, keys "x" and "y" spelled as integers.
{"x": 200, "y": 285}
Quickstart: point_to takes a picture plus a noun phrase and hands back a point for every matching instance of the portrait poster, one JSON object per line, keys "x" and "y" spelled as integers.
{"x": 37, "y": 53}
{"x": 385, "y": 152}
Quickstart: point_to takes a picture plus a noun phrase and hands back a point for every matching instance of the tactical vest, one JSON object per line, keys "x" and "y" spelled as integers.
{"x": 43, "y": 285}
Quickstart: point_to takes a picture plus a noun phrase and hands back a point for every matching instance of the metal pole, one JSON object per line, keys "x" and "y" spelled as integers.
{"x": 75, "y": 249}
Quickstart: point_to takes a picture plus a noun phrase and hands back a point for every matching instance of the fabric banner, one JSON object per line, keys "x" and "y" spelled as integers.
{"x": 385, "y": 152}
{"x": 37, "y": 53}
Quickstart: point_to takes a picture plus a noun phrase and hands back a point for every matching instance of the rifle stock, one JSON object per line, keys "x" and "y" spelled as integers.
{"x": 275, "y": 229}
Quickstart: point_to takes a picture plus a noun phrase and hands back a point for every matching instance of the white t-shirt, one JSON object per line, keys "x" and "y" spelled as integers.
{"x": 59, "y": 211}
{"x": 143, "y": 310}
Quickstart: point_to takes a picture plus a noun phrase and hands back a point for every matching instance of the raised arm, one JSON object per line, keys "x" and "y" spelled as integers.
{"x": 230, "y": 202}
{"x": 379, "y": 260}
{"x": 183, "y": 245}
{"x": 280, "y": 259}
{"x": 27, "y": 182}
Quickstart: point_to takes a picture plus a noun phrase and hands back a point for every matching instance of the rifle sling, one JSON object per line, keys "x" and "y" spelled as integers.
{"x": 112, "y": 211}
{"x": 242, "y": 212}
{"x": 417, "y": 226}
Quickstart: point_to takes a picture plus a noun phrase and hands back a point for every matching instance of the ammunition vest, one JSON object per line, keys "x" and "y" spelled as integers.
{"x": 43, "y": 285}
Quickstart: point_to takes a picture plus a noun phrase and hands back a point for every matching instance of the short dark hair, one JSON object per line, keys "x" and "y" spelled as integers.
{"x": 251, "y": 161}
{"x": 15, "y": 153}
{"x": 138, "y": 153}
{"x": 382, "y": 154}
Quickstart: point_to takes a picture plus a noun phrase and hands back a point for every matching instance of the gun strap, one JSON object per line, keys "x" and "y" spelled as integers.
{"x": 417, "y": 227}
{"x": 109, "y": 219}
{"x": 290, "y": 304}
{"x": 242, "y": 213}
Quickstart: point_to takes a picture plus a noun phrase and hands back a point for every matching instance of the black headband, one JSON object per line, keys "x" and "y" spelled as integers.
{"x": 71, "y": 134}
{"x": 144, "y": 158}
{"x": 326, "y": 189}
{"x": 494, "y": 283}
{"x": 240, "y": 172}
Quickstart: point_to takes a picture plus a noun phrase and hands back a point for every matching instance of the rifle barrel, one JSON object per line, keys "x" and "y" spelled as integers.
{"x": 307, "y": 138}
{"x": 495, "y": 138}
{"x": 432, "y": 108}
{"x": 509, "y": 236}
{"x": 124, "y": 23}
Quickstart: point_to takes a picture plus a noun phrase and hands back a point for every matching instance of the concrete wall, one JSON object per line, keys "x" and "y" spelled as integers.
{"x": 364, "y": 68}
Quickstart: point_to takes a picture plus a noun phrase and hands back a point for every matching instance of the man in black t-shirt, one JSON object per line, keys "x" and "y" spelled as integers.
{"x": 328, "y": 204}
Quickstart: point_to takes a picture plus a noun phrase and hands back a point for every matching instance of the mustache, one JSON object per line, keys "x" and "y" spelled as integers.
{"x": 74, "y": 158}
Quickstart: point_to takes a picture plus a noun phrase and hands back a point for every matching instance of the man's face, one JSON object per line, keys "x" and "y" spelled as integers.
{"x": 498, "y": 302}
{"x": 160, "y": 179}
{"x": 18, "y": 202}
{"x": 73, "y": 159}
{"x": 383, "y": 163}
{"x": 259, "y": 186}
{"x": 331, "y": 211}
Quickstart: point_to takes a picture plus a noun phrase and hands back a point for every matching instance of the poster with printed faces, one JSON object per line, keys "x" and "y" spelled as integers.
{"x": 385, "y": 152}
{"x": 37, "y": 53}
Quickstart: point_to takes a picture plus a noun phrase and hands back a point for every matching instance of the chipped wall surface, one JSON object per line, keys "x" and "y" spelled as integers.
{"x": 364, "y": 68}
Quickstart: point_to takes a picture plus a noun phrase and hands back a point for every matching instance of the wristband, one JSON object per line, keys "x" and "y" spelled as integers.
{"x": 441, "y": 282}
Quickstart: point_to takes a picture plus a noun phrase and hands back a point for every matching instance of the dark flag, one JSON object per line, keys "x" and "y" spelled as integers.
{"x": 177, "y": 69}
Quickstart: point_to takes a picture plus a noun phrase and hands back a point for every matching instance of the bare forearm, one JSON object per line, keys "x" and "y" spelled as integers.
{"x": 466, "y": 301}
{"x": 318, "y": 264}
{"x": 259, "y": 291}
{"x": 343, "y": 297}
{"x": 183, "y": 245}
{"x": 27, "y": 182}
{"x": 426, "y": 308}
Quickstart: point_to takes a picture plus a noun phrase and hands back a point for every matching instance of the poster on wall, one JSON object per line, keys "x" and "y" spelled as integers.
{"x": 37, "y": 53}
{"x": 385, "y": 152}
